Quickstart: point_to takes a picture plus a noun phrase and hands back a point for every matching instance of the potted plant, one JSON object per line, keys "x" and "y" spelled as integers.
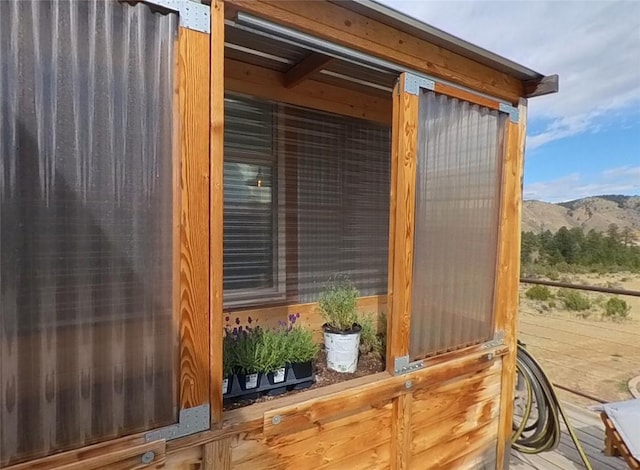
{"x": 246, "y": 357}
{"x": 271, "y": 358}
{"x": 337, "y": 305}
{"x": 301, "y": 350}
{"x": 228, "y": 361}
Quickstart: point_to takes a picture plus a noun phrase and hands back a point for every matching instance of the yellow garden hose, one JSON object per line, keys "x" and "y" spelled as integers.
{"x": 540, "y": 432}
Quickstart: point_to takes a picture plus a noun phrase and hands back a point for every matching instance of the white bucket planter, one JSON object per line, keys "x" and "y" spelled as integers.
{"x": 342, "y": 349}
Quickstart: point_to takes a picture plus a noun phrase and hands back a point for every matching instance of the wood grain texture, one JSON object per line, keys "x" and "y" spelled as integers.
{"x": 216, "y": 455}
{"x": 508, "y": 272}
{"x": 309, "y": 413}
{"x": 194, "y": 226}
{"x": 405, "y": 153}
{"x": 336, "y": 23}
{"x": 465, "y": 95}
{"x": 401, "y": 432}
{"x": 544, "y": 86}
{"x": 395, "y": 127}
{"x": 306, "y": 68}
{"x": 216, "y": 207}
{"x": 332, "y": 444}
{"x": 119, "y": 454}
{"x": 269, "y": 84}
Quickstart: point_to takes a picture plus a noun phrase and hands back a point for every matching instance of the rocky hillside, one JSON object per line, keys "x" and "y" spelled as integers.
{"x": 589, "y": 213}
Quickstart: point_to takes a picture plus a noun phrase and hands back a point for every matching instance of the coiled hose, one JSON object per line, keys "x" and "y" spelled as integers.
{"x": 539, "y": 432}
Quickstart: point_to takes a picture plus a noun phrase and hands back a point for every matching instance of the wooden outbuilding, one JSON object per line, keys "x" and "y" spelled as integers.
{"x": 167, "y": 166}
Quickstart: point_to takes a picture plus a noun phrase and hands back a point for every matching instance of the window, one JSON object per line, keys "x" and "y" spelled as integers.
{"x": 86, "y": 224}
{"x": 460, "y": 148}
{"x": 306, "y": 197}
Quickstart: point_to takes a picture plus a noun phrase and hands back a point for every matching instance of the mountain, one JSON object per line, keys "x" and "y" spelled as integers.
{"x": 596, "y": 213}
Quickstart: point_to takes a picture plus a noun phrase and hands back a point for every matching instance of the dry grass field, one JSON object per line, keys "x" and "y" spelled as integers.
{"x": 585, "y": 351}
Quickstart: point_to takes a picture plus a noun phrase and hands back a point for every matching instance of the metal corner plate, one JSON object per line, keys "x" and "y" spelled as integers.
{"x": 413, "y": 83}
{"x": 512, "y": 111}
{"x": 402, "y": 365}
{"x": 191, "y": 421}
{"x": 193, "y": 15}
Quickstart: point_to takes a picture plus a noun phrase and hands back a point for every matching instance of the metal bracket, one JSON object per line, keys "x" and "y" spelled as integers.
{"x": 413, "y": 83}
{"x": 402, "y": 365}
{"x": 193, "y": 15}
{"x": 498, "y": 340}
{"x": 512, "y": 111}
{"x": 191, "y": 421}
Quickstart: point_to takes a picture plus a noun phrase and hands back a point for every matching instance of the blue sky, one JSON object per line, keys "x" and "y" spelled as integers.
{"x": 584, "y": 140}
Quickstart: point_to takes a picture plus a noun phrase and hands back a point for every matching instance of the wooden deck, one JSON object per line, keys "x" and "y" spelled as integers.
{"x": 590, "y": 431}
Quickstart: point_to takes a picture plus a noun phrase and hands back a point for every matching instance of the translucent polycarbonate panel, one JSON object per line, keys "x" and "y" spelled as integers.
{"x": 87, "y": 337}
{"x": 306, "y": 198}
{"x": 460, "y": 151}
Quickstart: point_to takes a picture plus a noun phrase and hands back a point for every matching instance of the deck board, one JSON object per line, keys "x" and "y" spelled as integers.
{"x": 590, "y": 431}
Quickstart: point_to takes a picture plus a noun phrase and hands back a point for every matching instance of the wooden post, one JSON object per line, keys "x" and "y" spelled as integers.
{"x": 508, "y": 273}
{"x": 401, "y": 221}
{"x": 193, "y": 90}
{"x": 216, "y": 455}
{"x": 401, "y": 432}
{"x": 216, "y": 159}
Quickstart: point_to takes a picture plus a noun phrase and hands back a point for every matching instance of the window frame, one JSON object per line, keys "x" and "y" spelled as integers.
{"x": 263, "y": 296}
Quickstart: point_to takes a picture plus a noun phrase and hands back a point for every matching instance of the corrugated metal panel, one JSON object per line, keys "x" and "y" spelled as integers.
{"x": 87, "y": 337}
{"x": 460, "y": 148}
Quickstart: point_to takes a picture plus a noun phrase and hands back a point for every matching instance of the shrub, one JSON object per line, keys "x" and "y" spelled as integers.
{"x": 271, "y": 350}
{"x": 245, "y": 351}
{"x": 574, "y": 300}
{"x": 370, "y": 341}
{"x": 552, "y": 304}
{"x": 616, "y": 308}
{"x": 538, "y": 293}
{"x": 300, "y": 345}
{"x": 337, "y": 304}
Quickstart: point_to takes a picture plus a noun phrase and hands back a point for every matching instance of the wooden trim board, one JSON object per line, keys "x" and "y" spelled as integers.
{"x": 216, "y": 207}
{"x": 404, "y": 156}
{"x": 508, "y": 272}
{"x": 194, "y": 228}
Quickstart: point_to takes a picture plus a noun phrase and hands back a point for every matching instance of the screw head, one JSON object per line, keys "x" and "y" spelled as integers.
{"x": 277, "y": 419}
{"x": 490, "y": 357}
{"x": 408, "y": 384}
{"x": 147, "y": 457}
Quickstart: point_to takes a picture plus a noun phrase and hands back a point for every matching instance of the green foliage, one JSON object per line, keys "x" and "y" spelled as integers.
{"x": 300, "y": 345}
{"x": 574, "y": 300}
{"x": 245, "y": 352}
{"x": 573, "y": 251}
{"x": 552, "y": 304}
{"x": 271, "y": 350}
{"x": 538, "y": 293}
{"x": 228, "y": 355}
{"x": 617, "y": 308}
{"x": 337, "y": 304}
{"x": 370, "y": 341}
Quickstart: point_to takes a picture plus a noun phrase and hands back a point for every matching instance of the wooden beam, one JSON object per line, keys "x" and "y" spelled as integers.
{"x": 265, "y": 83}
{"x": 508, "y": 272}
{"x": 216, "y": 161}
{"x": 464, "y": 95}
{"x": 216, "y": 455}
{"x": 194, "y": 228}
{"x": 338, "y": 24}
{"x": 405, "y": 153}
{"x": 401, "y": 432}
{"x": 545, "y": 86}
{"x": 305, "y": 68}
